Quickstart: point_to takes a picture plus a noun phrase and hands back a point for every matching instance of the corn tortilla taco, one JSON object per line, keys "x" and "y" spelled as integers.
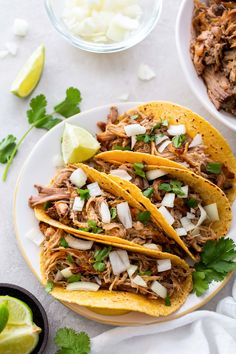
{"x": 89, "y": 204}
{"x": 187, "y": 206}
{"x": 99, "y": 275}
{"x": 175, "y": 133}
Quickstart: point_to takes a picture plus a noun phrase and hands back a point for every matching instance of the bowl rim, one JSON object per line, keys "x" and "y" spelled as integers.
{"x": 41, "y": 309}
{"x": 105, "y": 48}
{"x": 206, "y": 103}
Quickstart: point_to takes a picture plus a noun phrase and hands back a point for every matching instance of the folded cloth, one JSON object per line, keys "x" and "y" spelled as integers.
{"x": 200, "y": 332}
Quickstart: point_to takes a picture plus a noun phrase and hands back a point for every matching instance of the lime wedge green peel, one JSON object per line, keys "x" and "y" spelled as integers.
{"x": 78, "y": 144}
{"x": 4, "y": 315}
{"x": 29, "y": 76}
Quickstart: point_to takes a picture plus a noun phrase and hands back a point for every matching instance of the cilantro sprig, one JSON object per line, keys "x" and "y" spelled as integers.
{"x": 99, "y": 257}
{"x": 174, "y": 186}
{"x": 139, "y": 169}
{"x": 71, "y": 342}
{"x": 39, "y": 118}
{"x": 92, "y": 227}
{"x": 217, "y": 260}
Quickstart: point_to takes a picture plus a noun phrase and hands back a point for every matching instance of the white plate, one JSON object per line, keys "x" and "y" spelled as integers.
{"x": 183, "y": 37}
{"x": 39, "y": 168}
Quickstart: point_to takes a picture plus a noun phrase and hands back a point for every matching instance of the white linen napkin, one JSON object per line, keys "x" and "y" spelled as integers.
{"x": 200, "y": 332}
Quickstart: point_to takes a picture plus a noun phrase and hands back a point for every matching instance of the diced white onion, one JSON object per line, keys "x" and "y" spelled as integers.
{"x": 121, "y": 173}
{"x": 187, "y": 224}
{"x": 181, "y": 231}
{"x": 197, "y": 140}
{"x": 124, "y": 257}
{"x": 20, "y": 27}
{"x": 139, "y": 281}
{"x": 124, "y": 214}
{"x": 212, "y": 212}
{"x": 124, "y": 97}
{"x": 58, "y": 276}
{"x": 78, "y": 178}
{"x": 58, "y": 161}
{"x": 67, "y": 273}
{"x": 12, "y": 47}
{"x": 35, "y": 236}
{"x": 132, "y": 269}
{"x": 134, "y": 129}
{"x": 184, "y": 163}
{"x": 98, "y": 280}
{"x": 153, "y": 174}
{"x": 168, "y": 200}
{"x": 159, "y": 289}
{"x": 203, "y": 216}
{"x": 151, "y": 246}
{"x": 191, "y": 216}
{"x": 94, "y": 189}
{"x": 159, "y": 138}
{"x": 78, "y": 244}
{"x": 78, "y": 204}
{"x": 163, "y": 265}
{"x": 145, "y": 72}
{"x": 164, "y": 145}
{"x": 105, "y": 213}
{"x": 167, "y": 215}
{"x": 184, "y": 189}
{"x": 83, "y": 285}
{"x": 133, "y": 141}
{"x": 119, "y": 262}
{"x": 3, "y": 54}
{"x": 176, "y": 129}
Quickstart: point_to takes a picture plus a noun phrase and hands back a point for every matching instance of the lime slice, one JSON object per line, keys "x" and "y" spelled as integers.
{"x": 4, "y": 315}
{"x": 78, "y": 144}
{"x": 29, "y": 75}
{"x": 19, "y": 339}
{"x": 19, "y": 312}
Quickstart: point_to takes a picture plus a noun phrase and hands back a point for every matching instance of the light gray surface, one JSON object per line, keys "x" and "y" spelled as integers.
{"x": 101, "y": 79}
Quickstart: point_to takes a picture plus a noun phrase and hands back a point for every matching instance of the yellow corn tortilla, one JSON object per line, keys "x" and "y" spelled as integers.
{"x": 209, "y": 193}
{"x": 216, "y": 146}
{"x": 124, "y": 301}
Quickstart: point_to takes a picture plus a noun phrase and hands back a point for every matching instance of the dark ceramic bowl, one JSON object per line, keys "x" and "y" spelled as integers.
{"x": 39, "y": 314}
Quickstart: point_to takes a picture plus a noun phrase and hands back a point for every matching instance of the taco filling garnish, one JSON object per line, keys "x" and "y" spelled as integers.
{"x": 179, "y": 203}
{"x": 82, "y": 265}
{"x": 81, "y": 204}
{"x": 139, "y": 131}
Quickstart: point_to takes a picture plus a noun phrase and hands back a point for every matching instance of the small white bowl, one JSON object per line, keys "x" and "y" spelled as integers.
{"x": 151, "y": 13}
{"x": 183, "y": 37}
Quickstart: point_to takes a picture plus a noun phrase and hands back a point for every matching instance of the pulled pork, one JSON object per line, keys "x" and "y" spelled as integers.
{"x": 81, "y": 263}
{"x": 213, "y": 50}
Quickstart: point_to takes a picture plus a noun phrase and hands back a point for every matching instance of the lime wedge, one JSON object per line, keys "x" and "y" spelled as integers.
{"x": 78, "y": 144}
{"x": 4, "y": 315}
{"x": 28, "y": 77}
{"x": 19, "y": 312}
{"x": 19, "y": 339}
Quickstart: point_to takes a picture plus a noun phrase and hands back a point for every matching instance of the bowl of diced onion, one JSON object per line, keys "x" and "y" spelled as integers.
{"x": 104, "y": 26}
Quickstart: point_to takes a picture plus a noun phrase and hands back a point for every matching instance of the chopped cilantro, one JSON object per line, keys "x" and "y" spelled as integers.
{"x": 119, "y": 147}
{"x": 70, "y": 258}
{"x": 113, "y": 213}
{"x": 164, "y": 187}
{"x": 214, "y": 167}
{"x": 83, "y": 193}
{"x": 155, "y": 126}
{"x": 63, "y": 243}
{"x": 99, "y": 257}
{"x": 144, "y": 216}
{"x": 138, "y": 169}
{"x": 74, "y": 278}
{"x": 178, "y": 140}
{"x": 191, "y": 202}
{"x": 146, "y": 138}
{"x": 93, "y": 227}
{"x": 49, "y": 286}
{"x": 47, "y": 205}
{"x": 146, "y": 272}
{"x": 167, "y": 301}
{"x": 148, "y": 192}
{"x": 165, "y": 123}
{"x": 176, "y": 187}
{"x": 99, "y": 266}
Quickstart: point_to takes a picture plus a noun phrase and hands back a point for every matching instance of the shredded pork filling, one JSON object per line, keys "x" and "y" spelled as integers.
{"x": 58, "y": 202}
{"x": 113, "y": 137}
{"x": 56, "y": 259}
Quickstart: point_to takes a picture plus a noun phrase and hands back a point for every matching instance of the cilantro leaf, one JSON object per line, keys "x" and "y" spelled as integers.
{"x": 138, "y": 169}
{"x": 217, "y": 260}
{"x": 144, "y": 216}
{"x": 100, "y": 255}
{"x": 113, "y": 213}
{"x": 99, "y": 266}
{"x": 148, "y": 192}
{"x": 176, "y": 187}
{"x": 146, "y": 138}
{"x": 167, "y": 301}
{"x": 178, "y": 140}
{"x": 164, "y": 187}
{"x": 71, "y": 342}
{"x": 70, "y": 105}
{"x": 74, "y": 278}
{"x": 63, "y": 243}
{"x": 7, "y": 146}
{"x": 92, "y": 225}
{"x": 70, "y": 258}
{"x": 191, "y": 202}
{"x": 214, "y": 167}
{"x": 49, "y": 286}
{"x": 123, "y": 148}
{"x": 83, "y": 193}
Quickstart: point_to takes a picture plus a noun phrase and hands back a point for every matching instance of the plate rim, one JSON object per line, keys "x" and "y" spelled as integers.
{"x": 206, "y": 103}
{"x": 93, "y": 315}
